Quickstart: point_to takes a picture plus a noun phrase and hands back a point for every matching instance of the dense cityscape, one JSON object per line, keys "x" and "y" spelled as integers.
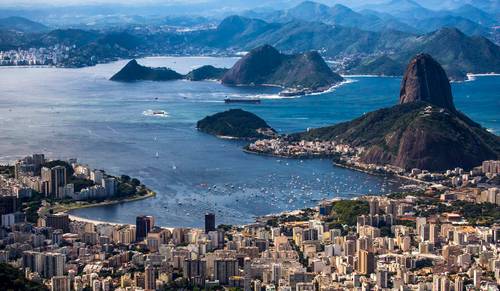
{"x": 265, "y": 148}
{"x": 442, "y": 237}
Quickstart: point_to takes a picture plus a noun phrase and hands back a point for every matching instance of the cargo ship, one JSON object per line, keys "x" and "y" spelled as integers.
{"x": 240, "y": 100}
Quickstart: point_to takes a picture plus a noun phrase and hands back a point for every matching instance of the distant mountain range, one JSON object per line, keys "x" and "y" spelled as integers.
{"x": 21, "y": 24}
{"x": 459, "y": 54}
{"x": 334, "y": 15}
{"x": 384, "y": 52}
{"x": 379, "y": 49}
{"x": 402, "y": 15}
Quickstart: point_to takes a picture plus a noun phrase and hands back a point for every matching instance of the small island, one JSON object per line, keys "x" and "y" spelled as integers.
{"x": 133, "y": 71}
{"x": 237, "y": 124}
{"x": 206, "y": 73}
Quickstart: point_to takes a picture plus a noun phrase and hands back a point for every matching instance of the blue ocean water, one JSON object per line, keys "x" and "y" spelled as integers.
{"x": 79, "y": 113}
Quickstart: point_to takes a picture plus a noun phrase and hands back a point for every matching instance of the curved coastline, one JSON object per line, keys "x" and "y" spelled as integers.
{"x": 348, "y": 167}
{"x": 82, "y": 204}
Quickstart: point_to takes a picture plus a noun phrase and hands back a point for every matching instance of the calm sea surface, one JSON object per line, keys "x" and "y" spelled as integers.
{"x": 79, "y": 113}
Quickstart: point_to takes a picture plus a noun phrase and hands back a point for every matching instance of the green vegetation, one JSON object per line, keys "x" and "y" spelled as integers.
{"x": 266, "y": 65}
{"x": 445, "y": 139}
{"x": 135, "y": 72}
{"x": 383, "y": 65}
{"x": 225, "y": 227}
{"x": 55, "y": 163}
{"x": 386, "y": 231}
{"x": 345, "y": 212}
{"x": 7, "y": 170}
{"x": 32, "y": 205}
{"x": 408, "y": 223}
{"x": 79, "y": 183}
{"x": 206, "y": 73}
{"x": 12, "y": 279}
{"x": 402, "y": 195}
{"x": 234, "y": 123}
{"x": 485, "y": 214}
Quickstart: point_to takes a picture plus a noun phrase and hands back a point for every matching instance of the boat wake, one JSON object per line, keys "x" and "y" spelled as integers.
{"x": 155, "y": 113}
{"x": 329, "y": 90}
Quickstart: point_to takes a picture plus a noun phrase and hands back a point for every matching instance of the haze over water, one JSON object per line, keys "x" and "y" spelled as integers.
{"x": 79, "y": 113}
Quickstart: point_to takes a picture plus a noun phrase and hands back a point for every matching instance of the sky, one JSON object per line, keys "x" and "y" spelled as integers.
{"x": 17, "y": 3}
{"x": 14, "y": 3}
{"x": 221, "y": 4}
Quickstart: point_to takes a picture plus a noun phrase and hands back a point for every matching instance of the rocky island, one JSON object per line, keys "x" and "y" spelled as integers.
{"x": 133, "y": 71}
{"x": 300, "y": 73}
{"x": 424, "y": 131}
{"x": 236, "y": 123}
{"x": 206, "y": 73}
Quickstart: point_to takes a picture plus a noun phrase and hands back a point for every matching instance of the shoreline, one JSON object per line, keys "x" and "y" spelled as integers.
{"x": 352, "y": 168}
{"x": 247, "y": 151}
{"x": 151, "y": 194}
{"x": 83, "y": 204}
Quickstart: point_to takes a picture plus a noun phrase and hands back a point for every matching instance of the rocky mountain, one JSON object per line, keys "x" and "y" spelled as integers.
{"x": 206, "y": 73}
{"x": 425, "y": 80}
{"x": 424, "y": 131}
{"x": 267, "y": 66}
{"x": 235, "y": 123}
{"x": 135, "y": 72}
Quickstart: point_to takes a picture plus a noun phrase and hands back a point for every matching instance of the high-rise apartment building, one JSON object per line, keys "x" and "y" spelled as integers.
{"x": 54, "y": 180}
{"x": 143, "y": 225}
{"x": 209, "y": 222}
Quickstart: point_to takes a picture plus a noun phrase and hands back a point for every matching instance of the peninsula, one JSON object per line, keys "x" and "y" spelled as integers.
{"x": 424, "y": 131}
{"x": 50, "y": 186}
